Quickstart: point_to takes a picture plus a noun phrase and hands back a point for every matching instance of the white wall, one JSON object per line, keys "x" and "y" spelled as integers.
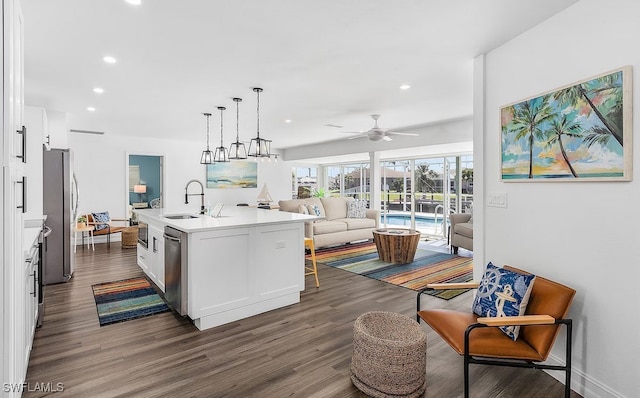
{"x": 580, "y": 234}
{"x": 100, "y": 166}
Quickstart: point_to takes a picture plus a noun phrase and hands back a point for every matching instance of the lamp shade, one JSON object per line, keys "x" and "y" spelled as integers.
{"x": 140, "y": 189}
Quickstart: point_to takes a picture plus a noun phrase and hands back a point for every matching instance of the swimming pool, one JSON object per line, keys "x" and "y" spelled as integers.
{"x": 405, "y": 220}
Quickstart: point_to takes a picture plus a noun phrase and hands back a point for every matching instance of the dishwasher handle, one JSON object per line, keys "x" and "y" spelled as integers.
{"x": 173, "y": 238}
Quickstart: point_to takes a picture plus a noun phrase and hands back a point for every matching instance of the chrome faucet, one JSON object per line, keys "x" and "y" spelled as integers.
{"x": 187, "y": 194}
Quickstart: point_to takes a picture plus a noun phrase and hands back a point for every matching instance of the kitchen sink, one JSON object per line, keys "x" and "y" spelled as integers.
{"x": 180, "y": 216}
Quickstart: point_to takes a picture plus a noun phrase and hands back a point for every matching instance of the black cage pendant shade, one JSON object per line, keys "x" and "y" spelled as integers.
{"x": 222, "y": 154}
{"x": 259, "y": 147}
{"x": 207, "y": 155}
{"x": 237, "y": 151}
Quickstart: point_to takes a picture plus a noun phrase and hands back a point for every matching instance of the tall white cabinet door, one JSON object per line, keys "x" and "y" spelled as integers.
{"x": 12, "y": 279}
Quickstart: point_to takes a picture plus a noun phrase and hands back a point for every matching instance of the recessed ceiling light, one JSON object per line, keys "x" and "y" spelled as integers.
{"x": 134, "y": 2}
{"x": 109, "y": 59}
{"x": 91, "y": 109}
{"x": 288, "y": 121}
{"x": 98, "y": 90}
{"x": 405, "y": 87}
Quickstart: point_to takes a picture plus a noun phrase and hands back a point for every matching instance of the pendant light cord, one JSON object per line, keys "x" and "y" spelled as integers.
{"x": 207, "y": 115}
{"x": 221, "y": 124}
{"x": 258, "y": 109}
{"x": 237, "y": 120}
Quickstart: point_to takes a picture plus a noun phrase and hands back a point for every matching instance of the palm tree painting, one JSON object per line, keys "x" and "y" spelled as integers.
{"x": 580, "y": 132}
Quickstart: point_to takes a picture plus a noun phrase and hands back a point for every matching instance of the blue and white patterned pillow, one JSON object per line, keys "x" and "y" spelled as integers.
{"x": 101, "y": 218}
{"x": 503, "y": 293}
{"x": 314, "y": 209}
{"x": 357, "y": 209}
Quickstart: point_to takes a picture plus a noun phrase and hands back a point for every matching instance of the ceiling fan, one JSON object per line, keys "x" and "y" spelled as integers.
{"x": 376, "y": 133}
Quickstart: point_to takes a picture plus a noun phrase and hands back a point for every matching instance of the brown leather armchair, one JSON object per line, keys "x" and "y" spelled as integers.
{"x": 480, "y": 340}
{"x": 110, "y": 227}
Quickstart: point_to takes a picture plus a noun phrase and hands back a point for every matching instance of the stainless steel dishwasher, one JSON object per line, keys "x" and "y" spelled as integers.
{"x": 175, "y": 269}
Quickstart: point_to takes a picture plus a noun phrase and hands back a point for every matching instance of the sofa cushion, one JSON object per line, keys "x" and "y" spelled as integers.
{"x": 356, "y": 209}
{"x": 292, "y": 205}
{"x": 302, "y": 209}
{"x": 335, "y": 208}
{"x": 327, "y": 227}
{"x": 464, "y": 229}
{"x": 503, "y": 292}
{"x": 358, "y": 223}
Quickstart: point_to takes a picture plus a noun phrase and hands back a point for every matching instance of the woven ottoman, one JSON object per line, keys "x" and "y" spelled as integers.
{"x": 130, "y": 238}
{"x": 389, "y": 355}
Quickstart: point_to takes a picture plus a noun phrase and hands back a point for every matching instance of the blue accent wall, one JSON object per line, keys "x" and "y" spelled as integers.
{"x": 149, "y": 176}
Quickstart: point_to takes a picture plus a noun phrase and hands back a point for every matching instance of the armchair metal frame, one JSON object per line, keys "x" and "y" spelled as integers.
{"x": 525, "y": 321}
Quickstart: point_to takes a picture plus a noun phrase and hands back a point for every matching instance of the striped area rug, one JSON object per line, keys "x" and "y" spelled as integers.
{"x": 427, "y": 267}
{"x": 126, "y": 299}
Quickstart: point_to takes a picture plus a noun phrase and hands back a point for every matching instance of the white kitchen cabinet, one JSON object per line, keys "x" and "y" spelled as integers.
{"x": 36, "y": 123}
{"x": 13, "y": 340}
{"x": 156, "y": 252}
{"x": 151, "y": 258}
{"x": 143, "y": 258}
{"x": 30, "y": 304}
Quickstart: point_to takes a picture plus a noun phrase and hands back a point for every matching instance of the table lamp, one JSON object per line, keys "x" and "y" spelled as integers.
{"x": 140, "y": 189}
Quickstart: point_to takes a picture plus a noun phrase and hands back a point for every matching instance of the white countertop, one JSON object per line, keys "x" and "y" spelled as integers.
{"x": 30, "y": 234}
{"x": 231, "y": 217}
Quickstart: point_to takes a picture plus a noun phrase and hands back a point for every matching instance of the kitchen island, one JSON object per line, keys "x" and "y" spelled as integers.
{"x": 243, "y": 263}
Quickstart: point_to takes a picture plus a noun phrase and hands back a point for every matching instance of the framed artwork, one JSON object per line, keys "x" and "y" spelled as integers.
{"x": 232, "y": 175}
{"x": 580, "y": 132}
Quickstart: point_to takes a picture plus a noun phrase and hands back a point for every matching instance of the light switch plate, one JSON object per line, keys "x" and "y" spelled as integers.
{"x": 497, "y": 199}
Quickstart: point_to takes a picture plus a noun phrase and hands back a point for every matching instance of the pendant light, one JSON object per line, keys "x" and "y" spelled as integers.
{"x": 259, "y": 147}
{"x": 237, "y": 150}
{"x": 222, "y": 154}
{"x": 207, "y": 156}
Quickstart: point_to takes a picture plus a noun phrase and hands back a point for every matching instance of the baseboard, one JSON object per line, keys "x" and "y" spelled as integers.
{"x": 99, "y": 239}
{"x": 582, "y": 383}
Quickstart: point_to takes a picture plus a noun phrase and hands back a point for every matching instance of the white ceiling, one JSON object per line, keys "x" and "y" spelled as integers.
{"x": 319, "y": 62}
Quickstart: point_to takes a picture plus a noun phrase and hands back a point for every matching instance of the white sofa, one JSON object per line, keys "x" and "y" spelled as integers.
{"x": 336, "y": 228}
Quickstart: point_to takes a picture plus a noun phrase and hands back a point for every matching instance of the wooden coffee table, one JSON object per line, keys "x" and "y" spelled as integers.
{"x": 396, "y": 245}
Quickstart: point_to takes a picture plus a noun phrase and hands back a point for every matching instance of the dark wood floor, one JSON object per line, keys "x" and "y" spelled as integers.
{"x": 303, "y": 350}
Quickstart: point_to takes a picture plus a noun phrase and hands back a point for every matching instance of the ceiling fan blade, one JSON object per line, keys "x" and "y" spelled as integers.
{"x": 387, "y": 138}
{"x": 357, "y": 136}
{"x": 397, "y": 133}
{"x": 353, "y": 132}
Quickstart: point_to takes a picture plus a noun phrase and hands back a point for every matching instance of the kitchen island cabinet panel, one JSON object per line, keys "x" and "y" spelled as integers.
{"x": 219, "y": 272}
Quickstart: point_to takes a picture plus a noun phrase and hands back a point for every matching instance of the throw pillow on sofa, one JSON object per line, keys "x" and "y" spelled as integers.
{"x": 357, "y": 209}
{"x": 503, "y": 293}
{"x": 302, "y": 209}
{"x": 314, "y": 210}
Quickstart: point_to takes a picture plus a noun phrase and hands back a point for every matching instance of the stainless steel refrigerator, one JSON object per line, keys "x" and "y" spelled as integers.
{"x": 60, "y": 192}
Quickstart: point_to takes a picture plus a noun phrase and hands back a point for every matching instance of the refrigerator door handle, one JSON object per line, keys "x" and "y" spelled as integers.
{"x": 76, "y": 197}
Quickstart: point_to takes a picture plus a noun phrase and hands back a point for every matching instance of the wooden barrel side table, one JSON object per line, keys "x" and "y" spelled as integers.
{"x": 396, "y": 245}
